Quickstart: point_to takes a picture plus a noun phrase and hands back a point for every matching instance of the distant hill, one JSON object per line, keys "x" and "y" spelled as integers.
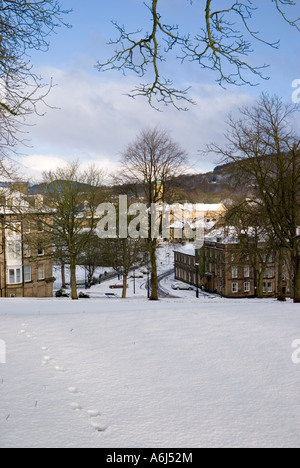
{"x": 42, "y": 188}
{"x": 210, "y": 187}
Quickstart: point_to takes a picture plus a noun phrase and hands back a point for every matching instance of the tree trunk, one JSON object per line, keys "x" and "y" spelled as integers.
{"x": 154, "y": 278}
{"x": 73, "y": 279}
{"x": 260, "y": 291}
{"x": 281, "y": 296}
{"x": 255, "y": 283}
{"x": 63, "y": 275}
{"x": 91, "y": 272}
{"x": 297, "y": 280}
{"x": 124, "y": 293}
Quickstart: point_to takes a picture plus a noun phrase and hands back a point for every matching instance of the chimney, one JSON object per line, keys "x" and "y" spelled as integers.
{"x": 22, "y": 187}
{"x": 39, "y": 201}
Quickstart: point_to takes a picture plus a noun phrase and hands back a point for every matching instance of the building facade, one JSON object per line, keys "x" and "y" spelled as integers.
{"x": 25, "y": 256}
{"x": 198, "y": 215}
{"x": 224, "y": 270}
{"x": 185, "y": 265}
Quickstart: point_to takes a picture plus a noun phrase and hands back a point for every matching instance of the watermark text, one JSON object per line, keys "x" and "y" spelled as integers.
{"x": 296, "y": 353}
{"x": 2, "y": 352}
{"x": 159, "y": 221}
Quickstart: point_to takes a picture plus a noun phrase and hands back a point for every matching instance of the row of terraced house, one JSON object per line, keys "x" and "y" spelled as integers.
{"x": 220, "y": 267}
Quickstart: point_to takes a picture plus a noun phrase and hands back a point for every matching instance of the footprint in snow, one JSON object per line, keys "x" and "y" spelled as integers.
{"x": 93, "y": 413}
{"x": 46, "y": 360}
{"x": 22, "y": 332}
{"x": 98, "y": 426}
{"x": 59, "y": 369}
{"x": 73, "y": 390}
{"x": 75, "y": 406}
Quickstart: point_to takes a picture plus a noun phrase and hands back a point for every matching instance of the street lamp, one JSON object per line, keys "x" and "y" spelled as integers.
{"x": 148, "y": 283}
{"x": 147, "y": 261}
{"x": 197, "y": 265}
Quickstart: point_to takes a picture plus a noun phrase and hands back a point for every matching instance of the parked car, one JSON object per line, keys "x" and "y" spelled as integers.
{"x": 83, "y": 296}
{"x": 61, "y": 293}
{"x": 137, "y": 276}
{"x": 183, "y": 287}
{"x": 117, "y": 286}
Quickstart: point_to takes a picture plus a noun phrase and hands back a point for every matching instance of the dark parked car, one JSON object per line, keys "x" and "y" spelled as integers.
{"x": 62, "y": 293}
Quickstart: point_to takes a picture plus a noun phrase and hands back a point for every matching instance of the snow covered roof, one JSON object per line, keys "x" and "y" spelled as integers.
{"x": 223, "y": 236}
{"x": 200, "y": 207}
{"x": 201, "y": 223}
{"x": 231, "y": 235}
{"x": 207, "y": 225}
{"x": 188, "y": 249}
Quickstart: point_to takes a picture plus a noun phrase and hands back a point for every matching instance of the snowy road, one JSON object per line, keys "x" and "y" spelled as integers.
{"x": 164, "y": 293}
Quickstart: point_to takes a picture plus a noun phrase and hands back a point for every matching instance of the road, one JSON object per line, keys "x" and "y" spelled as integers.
{"x": 162, "y": 293}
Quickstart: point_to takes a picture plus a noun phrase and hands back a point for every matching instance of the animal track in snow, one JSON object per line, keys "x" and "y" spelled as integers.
{"x": 93, "y": 413}
{"x": 98, "y": 426}
{"x": 75, "y": 406}
{"x": 47, "y": 358}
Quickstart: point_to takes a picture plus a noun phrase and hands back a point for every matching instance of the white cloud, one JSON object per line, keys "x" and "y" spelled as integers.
{"x": 32, "y": 166}
{"x": 96, "y": 121}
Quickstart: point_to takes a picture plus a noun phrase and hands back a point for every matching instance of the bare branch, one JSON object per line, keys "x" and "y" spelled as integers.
{"x": 223, "y": 44}
{"x": 25, "y": 25}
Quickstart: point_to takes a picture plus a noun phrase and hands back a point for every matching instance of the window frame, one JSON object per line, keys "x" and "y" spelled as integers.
{"x": 17, "y": 276}
{"x": 26, "y": 250}
{"x": 43, "y": 276}
{"x": 235, "y": 272}
{"x": 27, "y": 280}
{"x": 41, "y": 249}
{"x": 246, "y": 271}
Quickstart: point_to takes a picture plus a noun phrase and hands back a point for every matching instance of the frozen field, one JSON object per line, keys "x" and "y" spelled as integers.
{"x": 107, "y": 373}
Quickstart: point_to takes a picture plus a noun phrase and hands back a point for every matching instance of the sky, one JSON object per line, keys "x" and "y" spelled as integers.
{"x": 93, "y": 120}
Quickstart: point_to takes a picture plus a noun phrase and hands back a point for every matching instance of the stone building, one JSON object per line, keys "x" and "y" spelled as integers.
{"x": 224, "y": 270}
{"x": 25, "y": 255}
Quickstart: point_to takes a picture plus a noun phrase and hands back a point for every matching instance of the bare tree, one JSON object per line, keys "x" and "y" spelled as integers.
{"x": 25, "y": 25}
{"x": 223, "y": 44}
{"x": 73, "y": 197}
{"x": 148, "y": 168}
{"x": 93, "y": 256}
{"x": 265, "y": 150}
{"x": 123, "y": 255}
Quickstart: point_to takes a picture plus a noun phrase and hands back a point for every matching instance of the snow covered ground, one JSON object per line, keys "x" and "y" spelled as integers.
{"x": 178, "y": 373}
{"x": 137, "y": 288}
